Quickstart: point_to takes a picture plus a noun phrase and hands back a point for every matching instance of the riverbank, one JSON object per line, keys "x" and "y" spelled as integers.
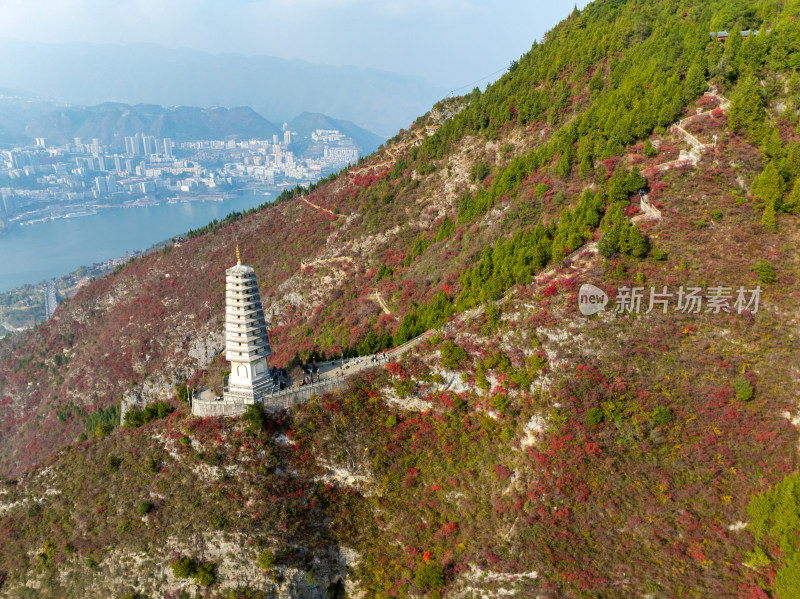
{"x": 72, "y": 251}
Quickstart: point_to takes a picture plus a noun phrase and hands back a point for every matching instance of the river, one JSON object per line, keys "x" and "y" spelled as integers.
{"x": 42, "y": 251}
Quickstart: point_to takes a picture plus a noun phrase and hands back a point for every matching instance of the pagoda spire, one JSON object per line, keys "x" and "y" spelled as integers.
{"x": 238, "y": 256}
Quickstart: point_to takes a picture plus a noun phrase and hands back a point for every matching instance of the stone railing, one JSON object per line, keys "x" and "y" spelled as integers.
{"x": 280, "y": 400}
{"x": 285, "y": 399}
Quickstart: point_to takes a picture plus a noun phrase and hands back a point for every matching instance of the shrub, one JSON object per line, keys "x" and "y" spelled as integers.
{"x": 48, "y": 554}
{"x": 114, "y": 462}
{"x": 479, "y": 171}
{"x": 453, "y": 355}
{"x": 429, "y": 577}
{"x": 502, "y": 472}
{"x": 661, "y": 415}
{"x": 659, "y": 254}
{"x": 404, "y": 388}
{"x": 144, "y": 507}
{"x": 787, "y": 581}
{"x": 218, "y": 520}
{"x": 391, "y": 421}
{"x": 744, "y": 390}
{"x": 716, "y": 214}
{"x": 184, "y": 567}
{"x": 254, "y": 419}
{"x": 266, "y": 560}
{"x": 765, "y": 272}
{"x": 101, "y": 422}
{"x": 594, "y": 416}
{"x": 136, "y": 418}
{"x": 206, "y": 574}
{"x": 500, "y": 402}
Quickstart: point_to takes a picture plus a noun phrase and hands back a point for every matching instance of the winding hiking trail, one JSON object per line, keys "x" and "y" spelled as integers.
{"x": 694, "y": 155}
{"x": 331, "y": 212}
{"x": 376, "y": 295}
{"x": 304, "y": 264}
{"x": 390, "y": 150}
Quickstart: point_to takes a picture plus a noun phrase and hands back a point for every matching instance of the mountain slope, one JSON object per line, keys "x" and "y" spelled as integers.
{"x": 522, "y": 448}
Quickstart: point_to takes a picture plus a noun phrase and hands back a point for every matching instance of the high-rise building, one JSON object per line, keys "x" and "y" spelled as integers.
{"x": 149, "y": 143}
{"x": 101, "y": 183}
{"x": 138, "y": 144}
{"x": 287, "y": 138}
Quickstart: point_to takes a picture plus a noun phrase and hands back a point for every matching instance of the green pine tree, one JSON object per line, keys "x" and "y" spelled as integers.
{"x": 794, "y": 83}
{"x": 695, "y": 82}
{"x": 792, "y": 162}
{"x": 605, "y": 246}
{"x": 768, "y": 184}
{"x": 624, "y": 238}
{"x": 597, "y": 83}
{"x": 792, "y": 203}
{"x": 747, "y": 107}
{"x": 635, "y": 181}
{"x": 772, "y": 147}
{"x": 769, "y": 218}
{"x": 617, "y": 186}
{"x": 637, "y": 242}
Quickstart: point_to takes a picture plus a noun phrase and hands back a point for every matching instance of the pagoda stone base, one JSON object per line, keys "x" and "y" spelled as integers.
{"x": 280, "y": 400}
{"x": 248, "y": 395}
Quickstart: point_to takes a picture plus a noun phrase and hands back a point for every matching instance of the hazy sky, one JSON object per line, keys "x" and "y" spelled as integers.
{"x": 452, "y": 43}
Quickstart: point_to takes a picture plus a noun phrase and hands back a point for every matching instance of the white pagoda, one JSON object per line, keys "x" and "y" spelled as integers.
{"x": 246, "y": 340}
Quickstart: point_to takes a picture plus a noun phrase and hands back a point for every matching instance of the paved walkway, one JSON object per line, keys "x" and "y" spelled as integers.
{"x": 376, "y": 295}
{"x": 697, "y": 147}
{"x": 649, "y": 212}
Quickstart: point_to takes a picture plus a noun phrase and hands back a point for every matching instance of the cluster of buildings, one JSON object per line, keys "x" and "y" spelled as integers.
{"x": 42, "y": 182}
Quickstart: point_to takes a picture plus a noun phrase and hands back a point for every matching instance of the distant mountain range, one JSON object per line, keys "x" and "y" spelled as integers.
{"x": 87, "y": 74}
{"x": 23, "y": 118}
{"x": 17, "y": 109}
{"x": 111, "y": 122}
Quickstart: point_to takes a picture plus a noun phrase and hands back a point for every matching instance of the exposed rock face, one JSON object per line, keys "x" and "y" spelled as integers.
{"x": 236, "y": 567}
{"x": 204, "y": 349}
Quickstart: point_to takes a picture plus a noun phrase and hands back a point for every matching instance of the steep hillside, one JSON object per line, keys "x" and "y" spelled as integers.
{"x": 522, "y": 448}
